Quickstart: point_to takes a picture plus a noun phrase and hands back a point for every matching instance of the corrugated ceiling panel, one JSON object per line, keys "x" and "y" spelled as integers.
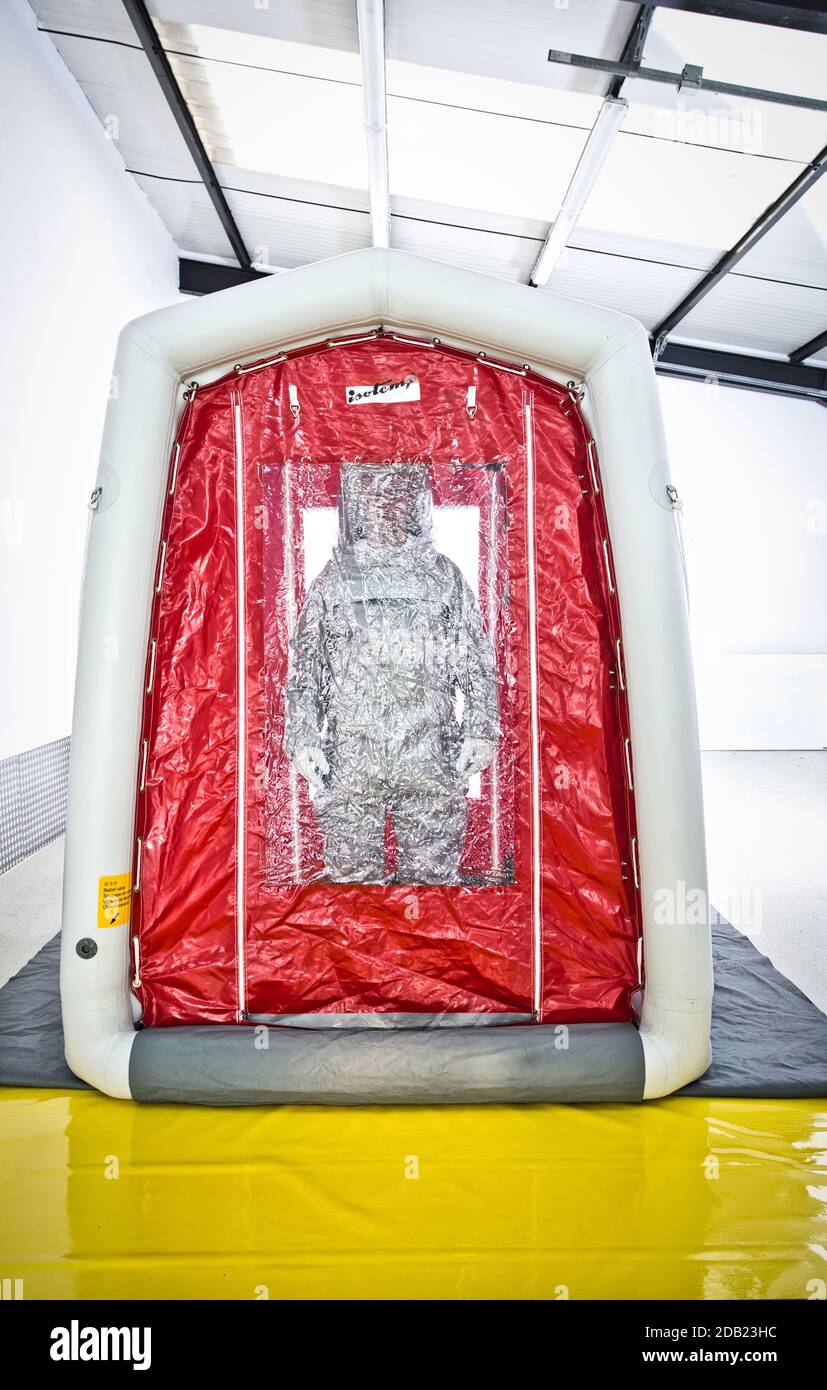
{"x": 443, "y": 87}
{"x": 439, "y": 86}
{"x": 326, "y": 23}
{"x": 100, "y": 18}
{"x": 277, "y": 189}
{"x": 645, "y": 248}
{"x": 689, "y": 196}
{"x": 260, "y": 52}
{"x": 508, "y": 41}
{"x": 796, "y": 248}
{"x": 782, "y": 60}
{"x": 469, "y": 157}
{"x": 646, "y": 291}
{"x": 314, "y": 130}
{"x": 294, "y": 234}
{"x": 493, "y": 253}
{"x": 756, "y": 316}
{"x": 477, "y": 114}
{"x": 185, "y": 209}
{"x": 759, "y": 130}
{"x": 474, "y": 219}
{"x": 125, "y": 96}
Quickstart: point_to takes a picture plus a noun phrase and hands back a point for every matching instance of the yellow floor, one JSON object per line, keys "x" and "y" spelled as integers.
{"x": 679, "y": 1199}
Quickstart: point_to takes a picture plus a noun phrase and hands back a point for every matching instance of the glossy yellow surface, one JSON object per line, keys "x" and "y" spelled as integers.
{"x": 675, "y": 1199}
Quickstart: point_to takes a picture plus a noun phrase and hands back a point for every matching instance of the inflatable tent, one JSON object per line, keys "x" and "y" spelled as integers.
{"x": 385, "y": 782}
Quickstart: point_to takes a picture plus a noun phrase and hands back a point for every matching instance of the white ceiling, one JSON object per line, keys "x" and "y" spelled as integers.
{"x": 483, "y": 136}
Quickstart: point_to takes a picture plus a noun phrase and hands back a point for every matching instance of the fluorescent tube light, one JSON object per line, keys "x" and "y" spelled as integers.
{"x": 595, "y": 150}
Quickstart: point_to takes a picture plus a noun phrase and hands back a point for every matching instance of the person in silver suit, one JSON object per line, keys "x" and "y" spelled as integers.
{"x": 389, "y": 633}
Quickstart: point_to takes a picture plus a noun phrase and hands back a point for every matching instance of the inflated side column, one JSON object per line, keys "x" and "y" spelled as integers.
{"x": 671, "y": 850}
{"x": 111, "y": 672}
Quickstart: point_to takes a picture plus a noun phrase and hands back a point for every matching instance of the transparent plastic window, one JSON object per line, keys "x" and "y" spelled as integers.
{"x": 387, "y": 644}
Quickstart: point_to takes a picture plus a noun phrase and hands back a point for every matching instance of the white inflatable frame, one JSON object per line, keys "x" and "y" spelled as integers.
{"x": 202, "y": 339}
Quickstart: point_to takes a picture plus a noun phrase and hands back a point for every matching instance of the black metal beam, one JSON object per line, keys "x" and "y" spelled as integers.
{"x": 811, "y": 18}
{"x": 691, "y": 78}
{"x": 791, "y": 195}
{"x": 740, "y": 369}
{"x": 205, "y": 277}
{"x": 809, "y": 349}
{"x": 633, "y": 47}
{"x": 151, "y": 44}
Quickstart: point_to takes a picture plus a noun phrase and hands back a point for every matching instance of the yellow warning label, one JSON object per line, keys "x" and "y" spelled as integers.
{"x": 114, "y": 899}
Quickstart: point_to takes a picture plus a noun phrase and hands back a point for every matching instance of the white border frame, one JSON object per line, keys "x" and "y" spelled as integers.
{"x": 609, "y": 353}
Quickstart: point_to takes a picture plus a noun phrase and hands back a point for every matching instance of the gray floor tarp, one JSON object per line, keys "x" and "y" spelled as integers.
{"x": 768, "y": 1039}
{"x": 31, "y": 1030}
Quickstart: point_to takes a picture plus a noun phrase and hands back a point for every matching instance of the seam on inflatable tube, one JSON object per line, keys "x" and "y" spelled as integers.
{"x": 675, "y": 1004}
{"x": 651, "y": 1040}
{"x": 150, "y": 348}
{"x": 84, "y": 1009}
{"x": 113, "y": 1043}
{"x": 632, "y": 329}
{"x": 108, "y": 1040}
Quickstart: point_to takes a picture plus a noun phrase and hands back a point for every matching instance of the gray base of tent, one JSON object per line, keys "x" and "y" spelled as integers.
{"x": 768, "y": 1040}
{"x": 361, "y": 1066}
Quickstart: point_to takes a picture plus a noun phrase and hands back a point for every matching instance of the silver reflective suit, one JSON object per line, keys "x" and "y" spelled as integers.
{"x": 389, "y": 633}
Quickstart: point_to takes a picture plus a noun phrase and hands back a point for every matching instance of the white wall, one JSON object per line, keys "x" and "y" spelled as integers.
{"x": 752, "y": 471}
{"x": 81, "y": 253}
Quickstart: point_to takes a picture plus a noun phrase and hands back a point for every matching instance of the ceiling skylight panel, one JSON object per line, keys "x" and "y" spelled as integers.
{"x": 510, "y": 40}
{"x": 759, "y": 129}
{"x": 681, "y": 193}
{"x": 277, "y": 122}
{"x": 497, "y": 95}
{"x": 257, "y": 51}
{"x": 324, "y": 24}
{"x": 756, "y": 315}
{"x": 730, "y": 50}
{"x": 470, "y": 159}
{"x": 795, "y": 249}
